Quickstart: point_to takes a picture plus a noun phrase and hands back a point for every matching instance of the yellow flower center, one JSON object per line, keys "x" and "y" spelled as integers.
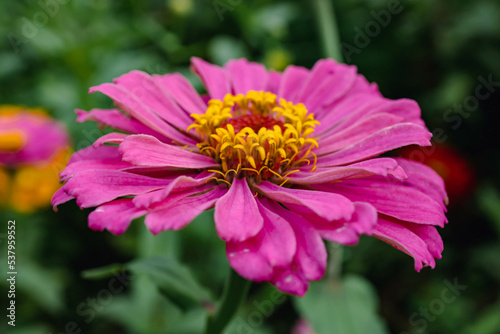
{"x": 256, "y": 137}
{"x": 7, "y": 110}
{"x": 30, "y": 187}
{"x": 11, "y": 141}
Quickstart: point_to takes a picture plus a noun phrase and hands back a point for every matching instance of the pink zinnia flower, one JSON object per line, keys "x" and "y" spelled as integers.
{"x": 33, "y": 149}
{"x": 287, "y": 159}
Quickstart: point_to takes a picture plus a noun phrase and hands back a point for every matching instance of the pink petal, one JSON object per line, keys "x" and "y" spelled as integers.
{"x": 95, "y": 153}
{"x": 429, "y": 234}
{"x": 405, "y": 240}
{"x": 347, "y": 232}
{"x": 290, "y": 281}
{"x": 326, "y": 82}
{"x": 365, "y": 127}
{"x": 173, "y": 198}
{"x": 273, "y": 81}
{"x": 278, "y": 239}
{"x": 94, "y": 187}
{"x": 310, "y": 257}
{"x": 391, "y": 198}
{"x": 377, "y": 166}
{"x": 150, "y": 93}
{"x": 106, "y": 164}
{"x": 108, "y": 157}
{"x": 115, "y": 216}
{"x": 380, "y": 142}
{"x": 180, "y": 213}
{"x": 60, "y": 197}
{"x": 103, "y": 157}
{"x": 144, "y": 150}
{"x": 248, "y": 262}
{"x": 340, "y": 112}
{"x": 206, "y": 98}
{"x": 237, "y": 216}
{"x": 362, "y": 85}
{"x": 181, "y": 90}
{"x": 179, "y": 184}
{"x": 424, "y": 179}
{"x": 246, "y": 76}
{"x": 274, "y": 246}
{"x": 135, "y": 108}
{"x": 215, "y": 78}
{"x": 292, "y": 80}
{"x": 327, "y": 205}
{"x": 160, "y": 172}
{"x": 110, "y": 138}
{"x": 116, "y": 119}
{"x": 406, "y": 109}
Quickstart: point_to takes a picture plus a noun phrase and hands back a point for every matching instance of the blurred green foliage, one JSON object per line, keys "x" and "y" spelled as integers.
{"x": 432, "y": 51}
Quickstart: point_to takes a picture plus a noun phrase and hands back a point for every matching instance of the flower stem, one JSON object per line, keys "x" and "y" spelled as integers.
{"x": 335, "y": 254}
{"x": 235, "y": 292}
{"x": 327, "y": 24}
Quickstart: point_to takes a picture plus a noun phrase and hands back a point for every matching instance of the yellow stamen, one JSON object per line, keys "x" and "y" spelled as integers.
{"x": 217, "y": 171}
{"x": 293, "y": 171}
{"x": 231, "y": 170}
{"x": 282, "y": 183}
{"x": 257, "y": 135}
{"x": 219, "y": 180}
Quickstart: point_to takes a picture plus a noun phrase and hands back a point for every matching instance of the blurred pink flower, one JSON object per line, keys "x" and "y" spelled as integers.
{"x": 33, "y": 149}
{"x": 287, "y": 159}
{"x": 302, "y": 327}
{"x": 29, "y": 136}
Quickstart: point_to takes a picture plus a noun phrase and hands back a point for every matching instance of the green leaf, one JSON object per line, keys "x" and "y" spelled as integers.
{"x": 173, "y": 279}
{"x": 488, "y": 322}
{"x": 346, "y": 308}
{"x": 191, "y": 322}
{"x": 42, "y": 285}
{"x": 169, "y": 276}
{"x": 102, "y": 272}
{"x": 143, "y": 310}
